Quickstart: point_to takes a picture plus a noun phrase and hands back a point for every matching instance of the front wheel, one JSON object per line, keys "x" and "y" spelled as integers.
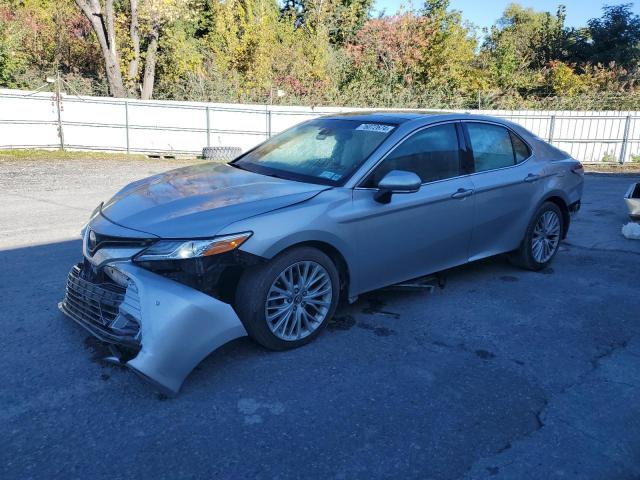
{"x": 285, "y": 303}
{"x": 542, "y": 239}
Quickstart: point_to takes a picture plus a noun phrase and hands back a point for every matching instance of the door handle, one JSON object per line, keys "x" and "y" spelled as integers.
{"x": 532, "y": 177}
{"x": 462, "y": 193}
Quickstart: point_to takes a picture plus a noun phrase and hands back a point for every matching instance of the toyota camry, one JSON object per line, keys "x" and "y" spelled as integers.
{"x": 177, "y": 264}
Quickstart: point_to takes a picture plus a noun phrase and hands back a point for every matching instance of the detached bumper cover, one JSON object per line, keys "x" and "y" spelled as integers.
{"x": 173, "y": 327}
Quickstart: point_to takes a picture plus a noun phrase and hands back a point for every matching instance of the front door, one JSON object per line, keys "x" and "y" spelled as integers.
{"x": 421, "y": 232}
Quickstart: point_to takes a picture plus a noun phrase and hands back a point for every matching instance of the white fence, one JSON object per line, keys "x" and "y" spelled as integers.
{"x": 31, "y": 120}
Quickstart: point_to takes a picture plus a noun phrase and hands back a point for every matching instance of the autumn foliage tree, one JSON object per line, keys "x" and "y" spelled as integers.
{"x": 386, "y": 55}
{"x": 322, "y": 52}
{"x": 147, "y": 19}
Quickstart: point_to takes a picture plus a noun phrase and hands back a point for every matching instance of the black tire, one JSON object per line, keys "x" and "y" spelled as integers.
{"x": 254, "y": 286}
{"x": 523, "y": 257}
{"x": 221, "y": 153}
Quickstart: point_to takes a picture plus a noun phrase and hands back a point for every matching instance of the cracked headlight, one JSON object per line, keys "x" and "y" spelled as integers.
{"x": 182, "y": 249}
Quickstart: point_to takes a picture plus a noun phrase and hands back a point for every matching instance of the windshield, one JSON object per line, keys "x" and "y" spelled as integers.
{"x": 325, "y": 151}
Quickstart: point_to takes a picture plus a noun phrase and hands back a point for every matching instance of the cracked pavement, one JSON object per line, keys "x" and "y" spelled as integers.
{"x": 501, "y": 374}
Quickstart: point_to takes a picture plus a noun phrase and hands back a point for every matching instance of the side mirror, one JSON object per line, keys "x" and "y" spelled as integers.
{"x": 397, "y": 181}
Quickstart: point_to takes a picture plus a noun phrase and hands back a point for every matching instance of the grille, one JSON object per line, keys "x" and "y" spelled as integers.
{"x": 96, "y": 306}
{"x": 103, "y": 241}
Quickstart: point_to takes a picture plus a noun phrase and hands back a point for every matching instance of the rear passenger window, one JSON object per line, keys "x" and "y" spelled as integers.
{"x": 491, "y": 146}
{"x": 432, "y": 154}
{"x": 520, "y": 148}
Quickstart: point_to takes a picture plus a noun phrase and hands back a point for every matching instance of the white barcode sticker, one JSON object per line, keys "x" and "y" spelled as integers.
{"x": 375, "y": 127}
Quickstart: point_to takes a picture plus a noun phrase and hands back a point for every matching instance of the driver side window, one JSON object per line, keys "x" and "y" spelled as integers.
{"x": 432, "y": 154}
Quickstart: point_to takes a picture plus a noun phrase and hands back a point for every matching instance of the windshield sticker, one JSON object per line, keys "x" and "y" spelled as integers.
{"x": 375, "y": 127}
{"x": 330, "y": 175}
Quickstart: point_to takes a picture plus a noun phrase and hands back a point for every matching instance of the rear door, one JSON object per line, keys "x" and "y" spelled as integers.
{"x": 506, "y": 182}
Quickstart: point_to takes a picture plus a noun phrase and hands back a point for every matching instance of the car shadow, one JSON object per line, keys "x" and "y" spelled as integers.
{"x": 32, "y": 282}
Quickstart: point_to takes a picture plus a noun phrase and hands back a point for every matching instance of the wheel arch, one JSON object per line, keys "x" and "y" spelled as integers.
{"x": 558, "y": 199}
{"x": 336, "y": 256}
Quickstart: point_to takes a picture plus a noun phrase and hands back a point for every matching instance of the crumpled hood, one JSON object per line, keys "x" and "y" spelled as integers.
{"x": 198, "y": 201}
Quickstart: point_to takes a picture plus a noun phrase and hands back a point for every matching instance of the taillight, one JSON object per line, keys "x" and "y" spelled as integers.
{"x": 578, "y": 168}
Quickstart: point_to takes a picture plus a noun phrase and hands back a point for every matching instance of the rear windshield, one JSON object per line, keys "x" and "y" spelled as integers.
{"x": 325, "y": 151}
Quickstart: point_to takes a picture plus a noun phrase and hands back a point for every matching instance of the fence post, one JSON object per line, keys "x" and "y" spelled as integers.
{"x": 625, "y": 139}
{"x": 268, "y": 122}
{"x": 208, "y": 126}
{"x": 126, "y": 123}
{"x": 59, "y": 108}
{"x": 552, "y": 127}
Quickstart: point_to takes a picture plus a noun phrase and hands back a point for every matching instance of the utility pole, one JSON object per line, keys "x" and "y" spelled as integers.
{"x": 59, "y": 108}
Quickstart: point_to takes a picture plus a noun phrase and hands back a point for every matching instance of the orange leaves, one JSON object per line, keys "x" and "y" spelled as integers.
{"x": 399, "y": 40}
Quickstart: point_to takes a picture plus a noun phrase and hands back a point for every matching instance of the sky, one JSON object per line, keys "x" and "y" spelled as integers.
{"x": 484, "y": 13}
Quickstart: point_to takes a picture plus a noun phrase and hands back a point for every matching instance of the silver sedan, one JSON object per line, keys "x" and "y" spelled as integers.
{"x": 180, "y": 263}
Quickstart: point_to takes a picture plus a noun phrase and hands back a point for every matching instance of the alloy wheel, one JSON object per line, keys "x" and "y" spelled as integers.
{"x": 546, "y": 236}
{"x": 298, "y": 301}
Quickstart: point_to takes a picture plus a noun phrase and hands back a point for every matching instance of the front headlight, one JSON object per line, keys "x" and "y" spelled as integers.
{"x": 182, "y": 249}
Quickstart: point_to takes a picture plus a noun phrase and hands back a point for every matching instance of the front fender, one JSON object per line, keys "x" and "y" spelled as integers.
{"x": 327, "y": 218}
{"x": 270, "y": 250}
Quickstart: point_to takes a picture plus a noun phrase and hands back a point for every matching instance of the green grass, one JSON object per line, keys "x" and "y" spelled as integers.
{"x": 35, "y": 154}
{"x": 628, "y": 167}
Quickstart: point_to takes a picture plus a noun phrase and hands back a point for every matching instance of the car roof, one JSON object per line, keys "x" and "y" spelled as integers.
{"x": 423, "y": 117}
{"x": 390, "y": 116}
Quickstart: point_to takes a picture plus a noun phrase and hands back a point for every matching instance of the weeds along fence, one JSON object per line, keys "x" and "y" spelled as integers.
{"x": 45, "y": 120}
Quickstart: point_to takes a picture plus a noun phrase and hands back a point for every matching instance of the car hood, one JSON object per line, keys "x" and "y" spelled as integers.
{"x": 199, "y": 201}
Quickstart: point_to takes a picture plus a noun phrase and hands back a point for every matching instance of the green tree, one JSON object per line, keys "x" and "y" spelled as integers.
{"x": 521, "y": 44}
{"x": 318, "y": 51}
{"x": 449, "y": 60}
{"x": 243, "y": 38}
{"x": 346, "y": 18}
{"x": 38, "y": 37}
{"x": 304, "y": 65}
{"x": 12, "y": 60}
{"x": 181, "y": 58}
{"x": 615, "y": 37}
{"x": 146, "y": 21}
{"x": 342, "y": 18}
{"x": 562, "y": 80}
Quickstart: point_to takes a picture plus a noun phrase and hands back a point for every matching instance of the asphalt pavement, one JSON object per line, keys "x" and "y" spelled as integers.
{"x": 503, "y": 373}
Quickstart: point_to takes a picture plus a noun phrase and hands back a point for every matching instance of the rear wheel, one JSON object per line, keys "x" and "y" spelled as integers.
{"x": 542, "y": 239}
{"x": 285, "y": 303}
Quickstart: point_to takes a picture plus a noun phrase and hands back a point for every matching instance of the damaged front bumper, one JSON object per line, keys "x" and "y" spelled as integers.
{"x": 166, "y": 327}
